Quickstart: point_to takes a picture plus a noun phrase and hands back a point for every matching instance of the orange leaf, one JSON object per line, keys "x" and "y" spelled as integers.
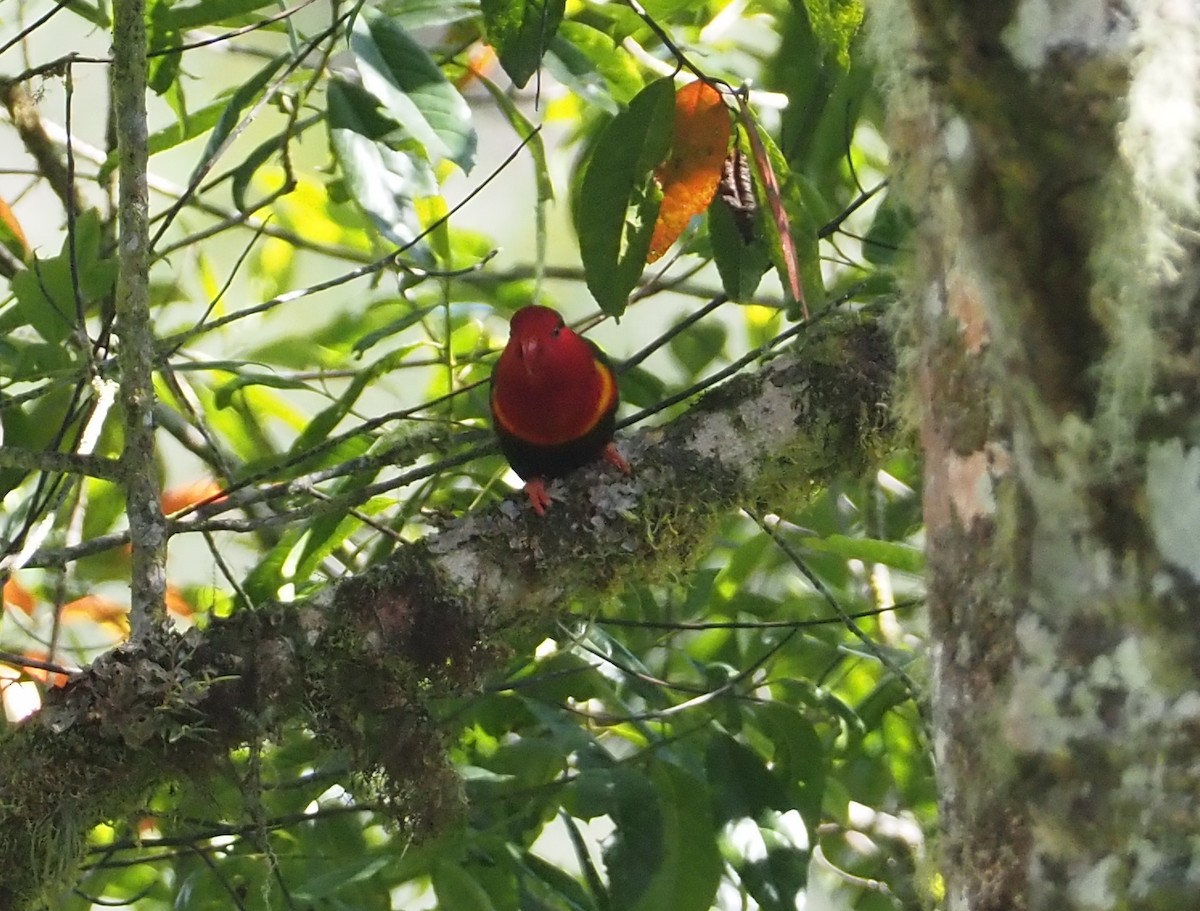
{"x": 54, "y": 678}
{"x": 690, "y": 175}
{"x": 480, "y": 59}
{"x": 108, "y": 614}
{"x": 17, "y": 596}
{"x": 177, "y": 604}
{"x": 11, "y": 234}
{"x": 203, "y": 490}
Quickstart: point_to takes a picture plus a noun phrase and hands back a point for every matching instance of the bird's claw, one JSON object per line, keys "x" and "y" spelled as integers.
{"x": 613, "y": 457}
{"x": 539, "y": 497}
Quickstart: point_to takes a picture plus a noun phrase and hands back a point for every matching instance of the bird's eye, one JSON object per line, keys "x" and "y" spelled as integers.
{"x": 556, "y": 330}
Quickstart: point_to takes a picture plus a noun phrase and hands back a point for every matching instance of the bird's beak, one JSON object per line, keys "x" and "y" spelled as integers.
{"x": 530, "y": 348}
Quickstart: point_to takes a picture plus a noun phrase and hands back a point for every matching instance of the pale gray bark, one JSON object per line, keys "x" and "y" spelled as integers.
{"x": 1051, "y": 154}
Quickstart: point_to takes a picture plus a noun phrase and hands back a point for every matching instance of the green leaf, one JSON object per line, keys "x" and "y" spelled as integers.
{"x": 383, "y": 181}
{"x": 803, "y": 225}
{"x": 396, "y": 326}
{"x": 458, "y": 890}
{"x": 46, "y": 291}
{"x": 670, "y": 843}
{"x": 44, "y": 300}
{"x": 224, "y": 394}
{"x": 889, "y": 232}
{"x": 331, "y": 878}
{"x": 741, "y": 783}
{"x": 197, "y": 123}
{"x": 95, "y": 13}
{"x": 414, "y": 14}
{"x": 237, "y": 102}
{"x": 249, "y": 165}
{"x": 568, "y": 64}
{"x": 414, "y": 92}
{"x": 696, "y": 348}
{"x": 798, "y": 759}
{"x": 580, "y": 46}
{"x": 778, "y": 879}
{"x": 835, "y": 23}
{"x": 328, "y": 531}
{"x": 741, "y": 265}
{"x": 178, "y": 17}
{"x": 164, "y": 68}
{"x": 553, "y": 884}
{"x": 618, "y": 198}
{"x": 520, "y": 31}
{"x": 900, "y": 556}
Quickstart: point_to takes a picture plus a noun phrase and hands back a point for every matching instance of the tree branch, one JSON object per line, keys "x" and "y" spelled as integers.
{"x": 136, "y": 355}
{"x": 360, "y": 663}
{"x": 66, "y": 462}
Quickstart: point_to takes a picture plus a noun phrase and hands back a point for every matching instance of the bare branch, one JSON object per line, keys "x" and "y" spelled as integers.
{"x": 65, "y": 462}
{"x": 136, "y": 355}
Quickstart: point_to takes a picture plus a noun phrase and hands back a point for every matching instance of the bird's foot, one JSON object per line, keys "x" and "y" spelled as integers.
{"x": 614, "y": 458}
{"x": 539, "y": 497}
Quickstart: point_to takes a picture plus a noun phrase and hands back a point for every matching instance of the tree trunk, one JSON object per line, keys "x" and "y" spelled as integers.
{"x": 1051, "y": 156}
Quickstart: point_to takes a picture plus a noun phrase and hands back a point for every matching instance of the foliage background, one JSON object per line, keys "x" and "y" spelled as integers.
{"x": 718, "y": 738}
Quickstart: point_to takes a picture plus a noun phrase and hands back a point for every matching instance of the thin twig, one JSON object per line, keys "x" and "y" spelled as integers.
{"x": 92, "y": 466}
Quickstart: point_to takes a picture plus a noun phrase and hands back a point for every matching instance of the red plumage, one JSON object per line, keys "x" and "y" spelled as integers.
{"x": 554, "y": 402}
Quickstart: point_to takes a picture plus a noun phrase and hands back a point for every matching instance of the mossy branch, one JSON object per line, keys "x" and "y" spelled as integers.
{"x": 359, "y": 663}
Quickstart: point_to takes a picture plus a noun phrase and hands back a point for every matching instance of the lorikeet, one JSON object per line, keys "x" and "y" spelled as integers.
{"x": 554, "y": 402}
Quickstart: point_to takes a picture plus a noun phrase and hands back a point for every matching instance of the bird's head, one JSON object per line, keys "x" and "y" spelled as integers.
{"x": 543, "y": 345}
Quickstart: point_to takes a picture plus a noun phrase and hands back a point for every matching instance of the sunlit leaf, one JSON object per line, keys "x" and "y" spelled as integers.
{"x": 521, "y": 30}
{"x": 836, "y": 23}
{"x": 689, "y": 176}
{"x": 412, "y": 89}
{"x": 593, "y": 67}
{"x": 384, "y": 182}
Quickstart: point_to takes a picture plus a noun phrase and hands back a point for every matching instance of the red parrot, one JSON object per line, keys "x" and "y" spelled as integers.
{"x": 554, "y": 402}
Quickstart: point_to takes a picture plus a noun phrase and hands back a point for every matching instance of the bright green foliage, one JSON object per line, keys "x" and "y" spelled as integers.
{"x": 520, "y": 31}
{"x": 329, "y": 300}
{"x": 835, "y": 24}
